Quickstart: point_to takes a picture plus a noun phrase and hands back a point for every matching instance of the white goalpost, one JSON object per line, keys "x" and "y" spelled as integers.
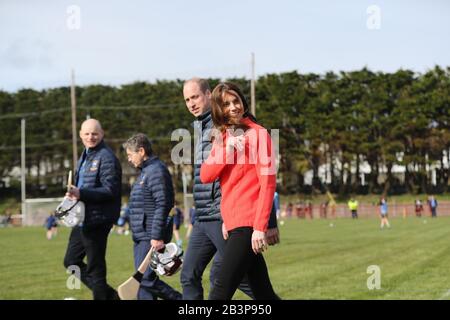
{"x": 37, "y": 210}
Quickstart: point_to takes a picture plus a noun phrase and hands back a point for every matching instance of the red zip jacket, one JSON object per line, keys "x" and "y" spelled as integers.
{"x": 247, "y": 179}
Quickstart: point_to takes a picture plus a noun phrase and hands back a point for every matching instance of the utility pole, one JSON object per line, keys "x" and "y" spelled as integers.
{"x": 252, "y": 87}
{"x": 22, "y": 171}
{"x": 74, "y": 122}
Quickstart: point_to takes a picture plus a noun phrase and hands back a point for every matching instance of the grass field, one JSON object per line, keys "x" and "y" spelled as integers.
{"x": 314, "y": 261}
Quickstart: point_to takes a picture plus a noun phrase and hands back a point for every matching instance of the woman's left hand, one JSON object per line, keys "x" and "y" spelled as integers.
{"x": 259, "y": 241}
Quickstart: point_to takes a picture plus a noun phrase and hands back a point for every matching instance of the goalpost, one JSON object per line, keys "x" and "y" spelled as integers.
{"x": 37, "y": 210}
{"x": 188, "y": 198}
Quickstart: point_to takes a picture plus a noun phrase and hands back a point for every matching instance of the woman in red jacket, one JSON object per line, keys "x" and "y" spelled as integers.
{"x": 242, "y": 159}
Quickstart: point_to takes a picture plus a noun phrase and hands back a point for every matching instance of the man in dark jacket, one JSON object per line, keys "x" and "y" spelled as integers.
{"x": 206, "y": 239}
{"x": 98, "y": 185}
{"x": 151, "y": 199}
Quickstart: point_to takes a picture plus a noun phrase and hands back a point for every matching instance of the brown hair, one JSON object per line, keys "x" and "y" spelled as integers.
{"x": 220, "y": 119}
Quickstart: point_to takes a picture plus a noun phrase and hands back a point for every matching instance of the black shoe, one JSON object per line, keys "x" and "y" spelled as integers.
{"x": 113, "y": 295}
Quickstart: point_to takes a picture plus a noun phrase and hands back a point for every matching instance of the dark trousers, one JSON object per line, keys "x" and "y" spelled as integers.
{"x": 205, "y": 243}
{"x": 151, "y": 286}
{"x": 91, "y": 243}
{"x": 238, "y": 260}
{"x": 433, "y": 212}
{"x": 354, "y": 214}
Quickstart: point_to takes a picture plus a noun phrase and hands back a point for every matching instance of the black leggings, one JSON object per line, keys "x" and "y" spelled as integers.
{"x": 238, "y": 260}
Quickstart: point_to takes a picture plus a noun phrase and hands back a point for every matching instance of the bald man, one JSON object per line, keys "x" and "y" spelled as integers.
{"x": 98, "y": 184}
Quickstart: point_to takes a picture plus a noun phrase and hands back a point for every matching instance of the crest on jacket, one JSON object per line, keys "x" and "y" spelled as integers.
{"x": 94, "y": 165}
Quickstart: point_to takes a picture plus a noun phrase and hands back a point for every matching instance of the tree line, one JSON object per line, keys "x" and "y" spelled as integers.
{"x": 348, "y": 130}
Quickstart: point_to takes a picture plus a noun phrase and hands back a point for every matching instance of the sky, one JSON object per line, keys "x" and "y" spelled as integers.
{"x": 119, "y": 42}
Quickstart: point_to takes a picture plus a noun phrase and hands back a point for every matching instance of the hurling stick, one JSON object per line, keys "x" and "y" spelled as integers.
{"x": 69, "y": 181}
{"x": 129, "y": 289}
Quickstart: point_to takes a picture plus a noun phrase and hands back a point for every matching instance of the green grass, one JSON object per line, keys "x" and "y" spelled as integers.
{"x": 313, "y": 261}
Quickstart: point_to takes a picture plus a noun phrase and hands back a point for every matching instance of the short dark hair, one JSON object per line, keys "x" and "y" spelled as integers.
{"x": 137, "y": 141}
{"x": 202, "y": 83}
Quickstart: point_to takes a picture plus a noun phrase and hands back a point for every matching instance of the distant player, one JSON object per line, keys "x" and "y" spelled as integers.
{"x": 276, "y": 204}
{"x": 191, "y": 221}
{"x": 51, "y": 226}
{"x": 384, "y": 213}
{"x": 123, "y": 223}
{"x": 353, "y": 206}
{"x": 432, "y": 203}
{"x": 418, "y": 208}
{"x": 178, "y": 219}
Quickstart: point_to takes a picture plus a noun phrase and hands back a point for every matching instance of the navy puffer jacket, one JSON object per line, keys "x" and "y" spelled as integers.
{"x": 102, "y": 184}
{"x": 151, "y": 199}
{"x": 206, "y": 196}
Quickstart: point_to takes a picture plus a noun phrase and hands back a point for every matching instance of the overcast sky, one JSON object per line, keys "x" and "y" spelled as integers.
{"x": 118, "y": 42}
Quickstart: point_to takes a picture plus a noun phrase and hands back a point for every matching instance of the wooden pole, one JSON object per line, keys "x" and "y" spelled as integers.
{"x": 74, "y": 122}
{"x": 252, "y": 87}
{"x": 22, "y": 173}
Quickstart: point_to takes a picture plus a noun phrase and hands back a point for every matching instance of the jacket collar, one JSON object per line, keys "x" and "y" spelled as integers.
{"x": 202, "y": 119}
{"x": 95, "y": 149}
{"x": 147, "y": 162}
{"x": 205, "y": 116}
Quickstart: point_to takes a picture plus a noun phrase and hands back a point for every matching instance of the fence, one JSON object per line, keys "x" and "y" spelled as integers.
{"x": 364, "y": 210}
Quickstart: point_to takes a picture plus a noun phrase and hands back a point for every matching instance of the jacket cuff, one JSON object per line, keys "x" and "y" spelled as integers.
{"x": 273, "y": 219}
{"x": 82, "y": 194}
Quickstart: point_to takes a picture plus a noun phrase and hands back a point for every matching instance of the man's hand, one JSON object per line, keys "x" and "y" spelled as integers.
{"x": 157, "y": 244}
{"x": 224, "y": 231}
{"x": 259, "y": 242}
{"x": 73, "y": 193}
{"x": 273, "y": 236}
